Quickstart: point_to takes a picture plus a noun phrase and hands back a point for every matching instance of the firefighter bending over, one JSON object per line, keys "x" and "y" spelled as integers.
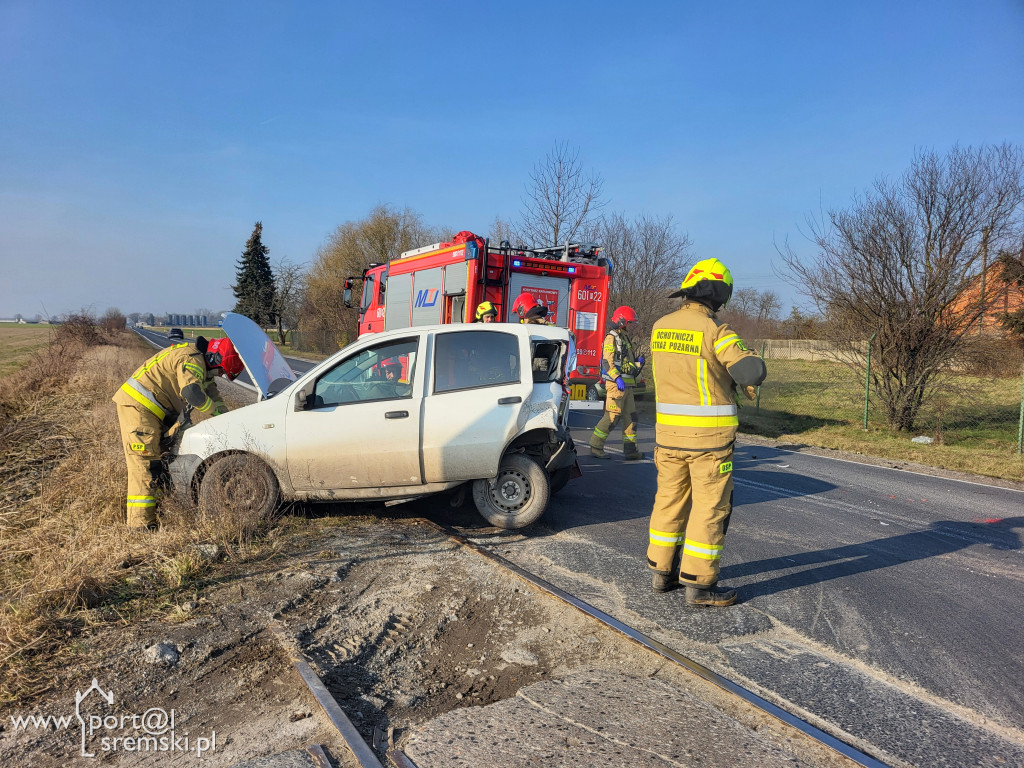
{"x": 486, "y": 312}
{"x": 698, "y": 363}
{"x": 149, "y": 403}
{"x": 619, "y": 371}
{"x": 529, "y": 310}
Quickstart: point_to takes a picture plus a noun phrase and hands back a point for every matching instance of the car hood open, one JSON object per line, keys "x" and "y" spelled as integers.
{"x": 263, "y": 361}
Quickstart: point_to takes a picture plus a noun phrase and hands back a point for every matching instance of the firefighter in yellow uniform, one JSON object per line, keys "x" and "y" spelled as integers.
{"x": 486, "y": 312}
{"x": 149, "y": 403}
{"x": 698, "y": 364}
{"x": 620, "y": 369}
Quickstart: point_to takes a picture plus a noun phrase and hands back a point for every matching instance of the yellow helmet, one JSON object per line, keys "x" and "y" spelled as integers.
{"x": 485, "y": 308}
{"x": 708, "y": 280}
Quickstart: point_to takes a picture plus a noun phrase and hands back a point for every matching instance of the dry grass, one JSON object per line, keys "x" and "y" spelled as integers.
{"x": 64, "y": 548}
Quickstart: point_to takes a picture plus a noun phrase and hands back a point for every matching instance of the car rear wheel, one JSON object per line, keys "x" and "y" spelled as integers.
{"x": 240, "y": 486}
{"x": 517, "y": 497}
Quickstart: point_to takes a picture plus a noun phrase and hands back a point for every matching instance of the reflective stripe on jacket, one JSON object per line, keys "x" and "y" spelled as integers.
{"x": 696, "y": 406}
{"x": 158, "y": 383}
{"x": 619, "y": 358}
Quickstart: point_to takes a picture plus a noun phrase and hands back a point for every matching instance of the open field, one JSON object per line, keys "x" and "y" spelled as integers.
{"x": 20, "y": 343}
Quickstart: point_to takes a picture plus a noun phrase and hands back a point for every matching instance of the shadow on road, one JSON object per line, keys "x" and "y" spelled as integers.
{"x": 940, "y": 538}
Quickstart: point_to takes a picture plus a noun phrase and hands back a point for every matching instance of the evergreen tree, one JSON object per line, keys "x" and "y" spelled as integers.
{"x": 254, "y": 281}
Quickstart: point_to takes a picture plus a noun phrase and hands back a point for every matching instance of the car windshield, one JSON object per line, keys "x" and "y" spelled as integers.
{"x": 379, "y": 373}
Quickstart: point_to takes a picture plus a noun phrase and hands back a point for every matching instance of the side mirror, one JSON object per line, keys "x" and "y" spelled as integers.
{"x": 302, "y": 399}
{"x": 347, "y": 296}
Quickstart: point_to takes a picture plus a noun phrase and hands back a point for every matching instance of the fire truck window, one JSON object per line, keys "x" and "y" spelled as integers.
{"x": 475, "y": 359}
{"x": 384, "y": 372}
{"x": 367, "y": 298}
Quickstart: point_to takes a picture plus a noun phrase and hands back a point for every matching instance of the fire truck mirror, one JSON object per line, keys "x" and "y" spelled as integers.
{"x": 347, "y": 296}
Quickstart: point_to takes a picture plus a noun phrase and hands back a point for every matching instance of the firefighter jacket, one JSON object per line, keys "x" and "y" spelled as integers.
{"x": 619, "y": 358}
{"x": 697, "y": 363}
{"x": 170, "y": 380}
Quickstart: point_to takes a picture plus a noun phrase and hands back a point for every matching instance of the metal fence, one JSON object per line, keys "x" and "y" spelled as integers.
{"x": 808, "y": 387}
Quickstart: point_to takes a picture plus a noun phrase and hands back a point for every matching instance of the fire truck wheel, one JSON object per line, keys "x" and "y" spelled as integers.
{"x": 239, "y": 487}
{"x": 559, "y": 479}
{"x": 517, "y": 497}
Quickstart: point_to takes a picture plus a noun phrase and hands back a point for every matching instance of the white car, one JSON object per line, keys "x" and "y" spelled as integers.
{"x": 395, "y": 415}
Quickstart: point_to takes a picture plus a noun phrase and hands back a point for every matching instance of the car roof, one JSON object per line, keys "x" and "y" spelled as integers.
{"x": 544, "y": 331}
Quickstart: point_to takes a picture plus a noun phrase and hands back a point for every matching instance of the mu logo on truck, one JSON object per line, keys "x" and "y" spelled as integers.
{"x": 427, "y": 297}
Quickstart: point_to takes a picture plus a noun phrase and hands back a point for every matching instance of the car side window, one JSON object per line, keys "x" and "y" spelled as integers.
{"x": 383, "y": 372}
{"x": 475, "y": 359}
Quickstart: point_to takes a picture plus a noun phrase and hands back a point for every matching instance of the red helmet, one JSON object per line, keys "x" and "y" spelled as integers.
{"x": 527, "y": 306}
{"x": 623, "y": 315}
{"x": 220, "y": 353}
{"x": 392, "y": 364}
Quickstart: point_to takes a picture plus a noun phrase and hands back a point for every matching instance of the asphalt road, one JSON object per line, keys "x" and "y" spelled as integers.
{"x": 884, "y": 606}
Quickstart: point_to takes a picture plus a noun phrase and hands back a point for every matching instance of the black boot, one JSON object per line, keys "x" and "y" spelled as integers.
{"x": 710, "y": 596}
{"x": 663, "y": 582}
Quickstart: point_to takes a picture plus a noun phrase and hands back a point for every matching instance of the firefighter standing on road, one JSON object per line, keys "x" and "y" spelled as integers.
{"x": 698, "y": 363}
{"x": 529, "y": 310}
{"x": 486, "y": 312}
{"x": 149, "y": 403}
{"x": 619, "y": 370}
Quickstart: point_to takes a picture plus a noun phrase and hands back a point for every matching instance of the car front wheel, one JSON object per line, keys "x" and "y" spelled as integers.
{"x": 240, "y": 486}
{"x": 517, "y": 497}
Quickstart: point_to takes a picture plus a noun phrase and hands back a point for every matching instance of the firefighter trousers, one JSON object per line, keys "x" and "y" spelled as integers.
{"x": 618, "y": 407}
{"x": 691, "y": 513}
{"x": 140, "y": 434}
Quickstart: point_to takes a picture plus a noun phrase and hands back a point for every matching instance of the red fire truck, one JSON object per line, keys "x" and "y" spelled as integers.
{"x": 444, "y": 283}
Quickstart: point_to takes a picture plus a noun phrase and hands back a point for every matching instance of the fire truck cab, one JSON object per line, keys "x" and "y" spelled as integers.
{"x": 445, "y": 282}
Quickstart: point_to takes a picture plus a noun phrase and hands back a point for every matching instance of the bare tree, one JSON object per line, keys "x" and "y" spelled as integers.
{"x": 899, "y": 265}
{"x": 560, "y": 198}
{"x": 752, "y": 313}
{"x": 503, "y": 232}
{"x": 650, "y": 259}
{"x": 289, "y": 285}
{"x": 113, "y": 320}
{"x": 383, "y": 235}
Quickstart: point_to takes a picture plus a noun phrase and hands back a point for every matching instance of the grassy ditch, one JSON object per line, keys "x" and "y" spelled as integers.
{"x": 67, "y": 561}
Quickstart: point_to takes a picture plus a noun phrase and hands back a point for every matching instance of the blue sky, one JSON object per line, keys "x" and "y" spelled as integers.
{"x": 139, "y": 142}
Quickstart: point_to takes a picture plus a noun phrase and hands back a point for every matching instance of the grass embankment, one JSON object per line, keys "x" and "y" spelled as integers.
{"x": 973, "y": 422}
{"x": 67, "y": 560}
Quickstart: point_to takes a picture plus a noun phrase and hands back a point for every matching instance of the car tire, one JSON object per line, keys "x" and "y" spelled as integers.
{"x": 559, "y": 479}
{"x": 240, "y": 485}
{"x": 518, "y": 496}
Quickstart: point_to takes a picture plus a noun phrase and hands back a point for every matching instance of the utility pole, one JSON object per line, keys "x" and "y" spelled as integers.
{"x": 984, "y": 271}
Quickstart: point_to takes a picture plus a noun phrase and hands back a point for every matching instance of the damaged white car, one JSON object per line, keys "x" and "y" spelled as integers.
{"x": 395, "y": 415}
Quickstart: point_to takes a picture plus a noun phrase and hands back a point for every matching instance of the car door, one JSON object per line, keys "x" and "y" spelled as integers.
{"x": 361, "y": 425}
{"x": 476, "y": 392}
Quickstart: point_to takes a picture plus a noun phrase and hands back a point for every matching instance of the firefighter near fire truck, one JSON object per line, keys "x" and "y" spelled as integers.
{"x": 698, "y": 364}
{"x": 150, "y": 403}
{"x": 529, "y": 310}
{"x": 619, "y": 369}
{"x": 486, "y": 312}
